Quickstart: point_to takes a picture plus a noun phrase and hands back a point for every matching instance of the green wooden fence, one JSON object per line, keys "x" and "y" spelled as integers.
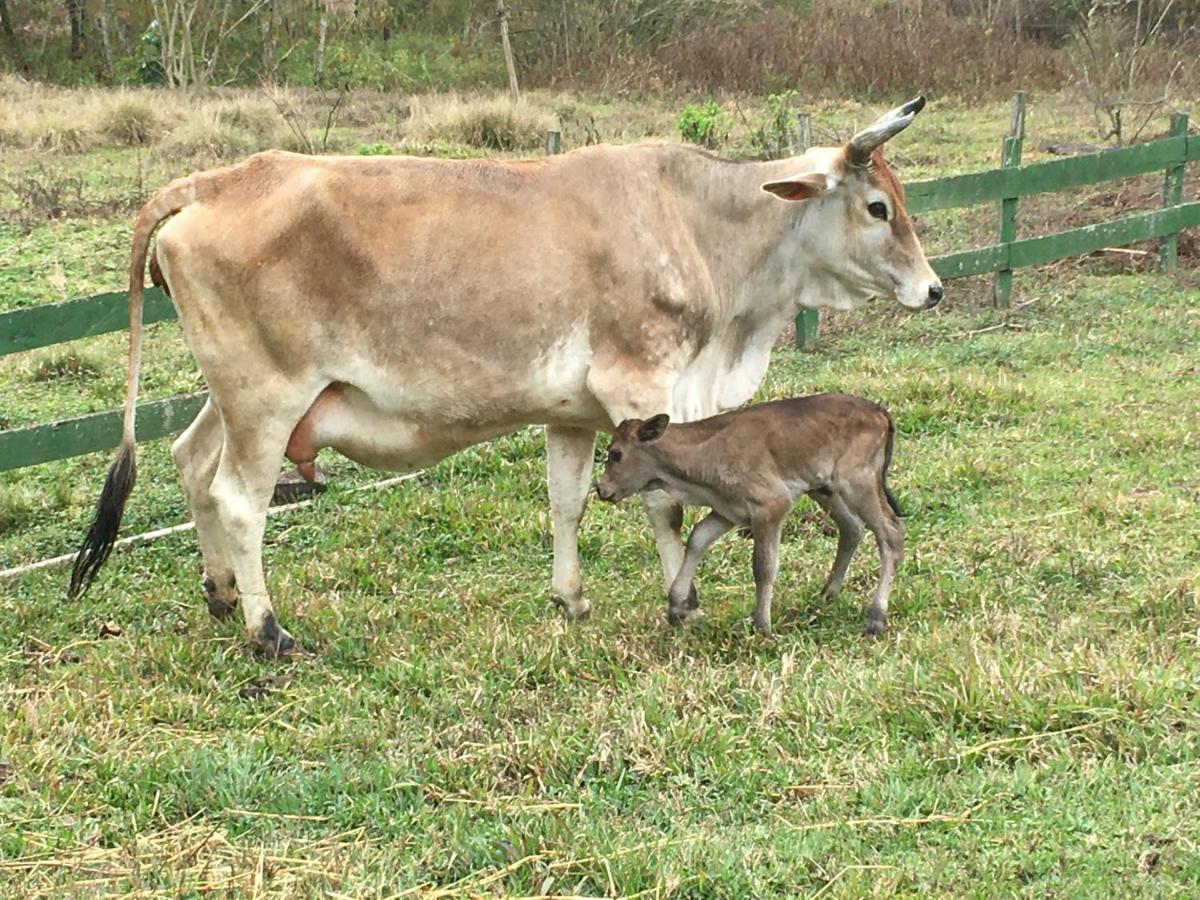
{"x": 28, "y": 329}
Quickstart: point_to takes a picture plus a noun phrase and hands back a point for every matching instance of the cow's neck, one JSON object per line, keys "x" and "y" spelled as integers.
{"x": 753, "y": 247}
{"x": 756, "y": 245}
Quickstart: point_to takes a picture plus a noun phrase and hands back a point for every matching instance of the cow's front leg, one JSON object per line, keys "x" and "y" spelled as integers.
{"x": 666, "y": 518}
{"x": 569, "y": 457}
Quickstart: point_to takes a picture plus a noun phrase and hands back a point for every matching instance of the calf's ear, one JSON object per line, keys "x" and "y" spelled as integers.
{"x": 652, "y": 429}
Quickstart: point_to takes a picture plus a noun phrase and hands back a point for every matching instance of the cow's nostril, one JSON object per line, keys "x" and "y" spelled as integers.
{"x": 935, "y": 294}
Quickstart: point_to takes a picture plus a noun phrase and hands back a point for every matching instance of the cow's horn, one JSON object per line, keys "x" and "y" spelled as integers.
{"x": 883, "y": 129}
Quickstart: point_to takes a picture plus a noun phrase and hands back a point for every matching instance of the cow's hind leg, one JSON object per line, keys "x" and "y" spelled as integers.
{"x": 197, "y": 452}
{"x": 241, "y": 492}
{"x": 569, "y": 457}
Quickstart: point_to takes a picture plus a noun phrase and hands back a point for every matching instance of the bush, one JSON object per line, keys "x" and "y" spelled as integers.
{"x": 57, "y": 135}
{"x": 706, "y": 124}
{"x": 59, "y": 365}
{"x": 496, "y": 123}
{"x": 131, "y": 123}
{"x": 379, "y": 148}
{"x": 225, "y": 131}
{"x": 16, "y": 507}
{"x": 856, "y": 48}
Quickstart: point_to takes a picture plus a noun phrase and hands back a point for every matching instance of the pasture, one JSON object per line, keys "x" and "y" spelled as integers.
{"x": 1029, "y": 725}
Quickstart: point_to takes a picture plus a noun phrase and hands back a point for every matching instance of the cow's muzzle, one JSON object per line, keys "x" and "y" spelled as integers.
{"x": 936, "y": 292}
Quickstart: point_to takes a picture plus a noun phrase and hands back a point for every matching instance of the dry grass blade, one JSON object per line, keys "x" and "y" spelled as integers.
{"x": 1022, "y": 738}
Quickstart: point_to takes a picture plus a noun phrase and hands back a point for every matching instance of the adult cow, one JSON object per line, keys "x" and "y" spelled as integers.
{"x": 398, "y": 310}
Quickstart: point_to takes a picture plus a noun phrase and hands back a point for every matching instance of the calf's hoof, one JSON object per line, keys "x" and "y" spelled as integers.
{"x": 679, "y": 617}
{"x": 830, "y": 591}
{"x": 876, "y": 627}
{"x": 762, "y": 628}
{"x": 271, "y": 640}
{"x": 573, "y": 609}
{"x": 222, "y": 603}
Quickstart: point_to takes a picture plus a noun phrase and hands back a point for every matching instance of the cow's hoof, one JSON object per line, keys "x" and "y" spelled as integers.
{"x": 271, "y": 640}
{"x": 678, "y": 617}
{"x": 573, "y": 610}
{"x": 763, "y": 629}
{"x": 876, "y": 627}
{"x": 221, "y": 603}
{"x": 830, "y": 592}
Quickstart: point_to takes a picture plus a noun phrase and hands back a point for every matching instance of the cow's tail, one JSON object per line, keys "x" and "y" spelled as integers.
{"x": 98, "y": 543}
{"x": 887, "y": 464}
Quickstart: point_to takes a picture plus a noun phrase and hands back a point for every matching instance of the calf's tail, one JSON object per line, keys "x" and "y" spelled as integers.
{"x": 98, "y": 543}
{"x": 887, "y": 463}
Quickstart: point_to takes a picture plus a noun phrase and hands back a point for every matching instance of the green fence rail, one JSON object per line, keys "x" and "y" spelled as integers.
{"x": 42, "y": 326}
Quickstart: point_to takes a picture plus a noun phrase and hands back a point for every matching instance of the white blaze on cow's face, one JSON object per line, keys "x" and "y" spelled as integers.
{"x": 856, "y": 233}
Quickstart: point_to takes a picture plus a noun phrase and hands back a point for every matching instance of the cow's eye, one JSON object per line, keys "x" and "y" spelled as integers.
{"x": 614, "y": 456}
{"x": 878, "y": 210}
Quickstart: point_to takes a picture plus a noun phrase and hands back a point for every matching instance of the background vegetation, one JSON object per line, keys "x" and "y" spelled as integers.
{"x": 875, "y": 47}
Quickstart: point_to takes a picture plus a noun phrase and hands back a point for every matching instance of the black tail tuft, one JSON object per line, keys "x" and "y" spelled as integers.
{"x": 103, "y": 533}
{"x": 892, "y": 502}
{"x": 887, "y": 464}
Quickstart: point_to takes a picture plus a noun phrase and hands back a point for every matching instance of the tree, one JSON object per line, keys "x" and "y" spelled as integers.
{"x": 75, "y": 15}
{"x": 10, "y": 37}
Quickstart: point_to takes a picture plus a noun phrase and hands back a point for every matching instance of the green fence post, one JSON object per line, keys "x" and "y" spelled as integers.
{"x": 553, "y": 142}
{"x": 1010, "y": 157}
{"x": 1168, "y": 246}
{"x": 808, "y": 321}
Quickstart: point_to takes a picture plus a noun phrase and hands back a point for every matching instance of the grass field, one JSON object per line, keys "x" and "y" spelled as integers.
{"x": 1030, "y": 725}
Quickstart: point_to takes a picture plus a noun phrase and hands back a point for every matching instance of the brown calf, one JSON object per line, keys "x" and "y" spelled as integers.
{"x": 749, "y": 466}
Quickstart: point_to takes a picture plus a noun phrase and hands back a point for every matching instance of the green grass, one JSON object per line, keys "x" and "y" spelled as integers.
{"x": 1028, "y": 727}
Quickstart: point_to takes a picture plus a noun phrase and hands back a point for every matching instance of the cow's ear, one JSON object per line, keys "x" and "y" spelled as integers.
{"x": 800, "y": 187}
{"x": 652, "y": 429}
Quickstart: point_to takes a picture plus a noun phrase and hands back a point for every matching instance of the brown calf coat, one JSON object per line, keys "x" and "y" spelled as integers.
{"x": 749, "y": 467}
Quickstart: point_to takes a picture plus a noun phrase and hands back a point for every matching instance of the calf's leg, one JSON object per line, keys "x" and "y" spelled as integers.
{"x": 767, "y": 528}
{"x": 612, "y": 387}
{"x": 869, "y": 503}
{"x": 850, "y": 532}
{"x": 197, "y": 452}
{"x": 569, "y": 456}
{"x": 681, "y": 597}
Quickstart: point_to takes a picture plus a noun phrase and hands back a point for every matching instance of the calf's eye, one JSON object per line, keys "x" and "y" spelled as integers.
{"x": 614, "y": 456}
{"x": 877, "y": 210}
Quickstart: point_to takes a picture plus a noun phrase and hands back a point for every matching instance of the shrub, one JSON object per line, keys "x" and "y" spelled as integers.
{"x": 379, "y": 148}
{"x": 43, "y": 195}
{"x": 496, "y": 123}
{"x": 776, "y": 137}
{"x": 15, "y": 507}
{"x": 857, "y": 48}
{"x": 1124, "y": 67}
{"x": 58, "y": 135}
{"x": 59, "y": 365}
{"x": 705, "y": 124}
{"x": 131, "y": 123}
